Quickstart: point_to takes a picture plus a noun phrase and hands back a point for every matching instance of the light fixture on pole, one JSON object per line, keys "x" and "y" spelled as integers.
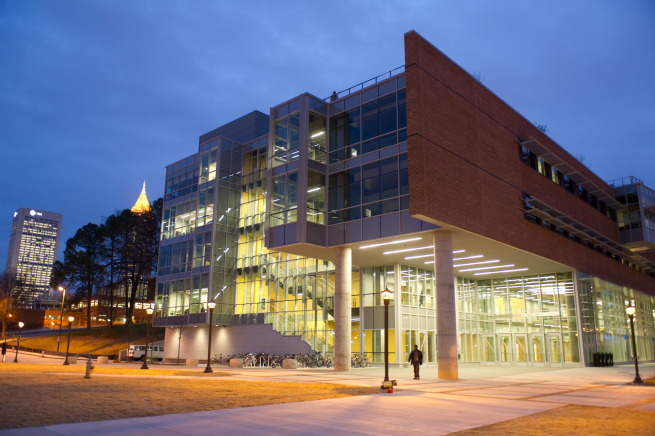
{"x": 145, "y": 361}
{"x": 212, "y": 305}
{"x": 386, "y": 296}
{"x": 20, "y": 330}
{"x": 630, "y": 310}
{"x": 70, "y": 322}
{"x": 61, "y": 317}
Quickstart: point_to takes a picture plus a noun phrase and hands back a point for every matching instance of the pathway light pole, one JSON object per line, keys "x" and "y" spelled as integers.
{"x": 20, "y": 330}
{"x": 61, "y": 317}
{"x": 386, "y": 296}
{"x": 70, "y": 322}
{"x": 145, "y": 362}
{"x": 211, "y": 305}
{"x": 630, "y": 310}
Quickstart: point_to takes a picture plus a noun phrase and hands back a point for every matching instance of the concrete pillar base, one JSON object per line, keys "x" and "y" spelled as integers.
{"x": 446, "y": 309}
{"x": 342, "y": 309}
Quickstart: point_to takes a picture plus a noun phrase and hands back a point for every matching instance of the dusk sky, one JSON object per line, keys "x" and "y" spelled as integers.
{"x": 97, "y": 96}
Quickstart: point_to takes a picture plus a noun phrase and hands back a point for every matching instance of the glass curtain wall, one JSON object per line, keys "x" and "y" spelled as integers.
{"x": 418, "y": 317}
{"x": 606, "y": 327}
{"x": 518, "y": 320}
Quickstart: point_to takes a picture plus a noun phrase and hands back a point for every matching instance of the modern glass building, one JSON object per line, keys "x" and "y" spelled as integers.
{"x": 33, "y": 248}
{"x": 500, "y": 249}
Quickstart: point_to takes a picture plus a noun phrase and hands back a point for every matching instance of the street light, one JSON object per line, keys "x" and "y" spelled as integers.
{"x": 20, "y": 329}
{"x": 61, "y": 317}
{"x": 211, "y": 305}
{"x": 145, "y": 362}
{"x": 70, "y": 322}
{"x": 630, "y": 310}
{"x": 386, "y": 296}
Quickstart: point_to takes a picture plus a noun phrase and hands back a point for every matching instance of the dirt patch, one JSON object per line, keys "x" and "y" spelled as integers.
{"x": 70, "y": 398}
{"x": 102, "y": 369}
{"x": 573, "y": 421}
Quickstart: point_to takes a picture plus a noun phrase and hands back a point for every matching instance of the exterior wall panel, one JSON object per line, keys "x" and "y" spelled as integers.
{"x": 465, "y": 170}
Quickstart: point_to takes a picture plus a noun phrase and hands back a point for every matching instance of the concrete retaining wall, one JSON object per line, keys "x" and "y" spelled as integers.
{"x": 230, "y": 340}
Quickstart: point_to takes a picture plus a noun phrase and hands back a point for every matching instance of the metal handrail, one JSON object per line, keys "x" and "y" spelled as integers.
{"x": 622, "y": 181}
{"x": 367, "y": 83}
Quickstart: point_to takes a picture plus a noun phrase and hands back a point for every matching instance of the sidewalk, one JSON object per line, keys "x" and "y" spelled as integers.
{"x": 488, "y": 395}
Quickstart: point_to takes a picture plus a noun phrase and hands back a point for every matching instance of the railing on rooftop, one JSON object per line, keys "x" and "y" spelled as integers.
{"x": 624, "y": 181}
{"x": 373, "y": 81}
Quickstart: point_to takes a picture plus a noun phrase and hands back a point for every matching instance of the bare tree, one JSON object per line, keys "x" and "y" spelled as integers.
{"x": 477, "y": 76}
{"x": 8, "y": 298}
{"x": 581, "y": 158}
{"x": 111, "y": 232}
{"x": 542, "y": 127}
{"x": 177, "y": 332}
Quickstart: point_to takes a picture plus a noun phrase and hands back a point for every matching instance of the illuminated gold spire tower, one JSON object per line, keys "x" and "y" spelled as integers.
{"x": 142, "y": 204}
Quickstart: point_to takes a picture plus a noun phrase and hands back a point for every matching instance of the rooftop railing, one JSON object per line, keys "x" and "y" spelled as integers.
{"x": 373, "y": 81}
{"x": 624, "y": 181}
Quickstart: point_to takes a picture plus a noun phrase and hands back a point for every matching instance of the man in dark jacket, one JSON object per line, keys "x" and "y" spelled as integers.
{"x": 416, "y": 359}
{"x": 4, "y": 350}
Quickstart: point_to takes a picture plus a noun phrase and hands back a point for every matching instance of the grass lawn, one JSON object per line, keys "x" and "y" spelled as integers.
{"x": 80, "y": 368}
{"x": 573, "y": 421}
{"x": 70, "y": 398}
{"x": 98, "y": 341}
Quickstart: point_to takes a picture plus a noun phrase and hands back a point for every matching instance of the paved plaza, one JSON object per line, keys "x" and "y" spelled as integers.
{"x": 484, "y": 395}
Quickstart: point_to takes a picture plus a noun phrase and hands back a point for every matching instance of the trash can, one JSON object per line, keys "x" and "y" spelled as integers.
{"x": 611, "y": 359}
{"x": 596, "y": 360}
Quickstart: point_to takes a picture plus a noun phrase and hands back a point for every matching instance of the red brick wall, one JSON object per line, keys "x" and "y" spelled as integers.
{"x": 465, "y": 169}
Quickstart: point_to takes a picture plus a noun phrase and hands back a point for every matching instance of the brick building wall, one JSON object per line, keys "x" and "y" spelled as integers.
{"x": 465, "y": 170}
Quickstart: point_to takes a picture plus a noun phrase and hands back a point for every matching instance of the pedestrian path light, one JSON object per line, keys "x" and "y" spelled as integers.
{"x": 386, "y": 296}
{"x": 20, "y": 330}
{"x": 211, "y": 305}
{"x": 70, "y": 323}
{"x": 149, "y": 311}
{"x": 631, "y": 310}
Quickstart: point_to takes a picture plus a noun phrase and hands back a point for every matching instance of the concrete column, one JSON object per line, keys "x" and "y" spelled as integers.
{"x": 342, "y": 309}
{"x": 446, "y": 310}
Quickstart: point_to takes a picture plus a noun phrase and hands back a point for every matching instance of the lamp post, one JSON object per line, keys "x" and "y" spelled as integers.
{"x": 145, "y": 362}
{"x": 20, "y": 330}
{"x": 630, "y": 310}
{"x": 70, "y": 322}
{"x": 386, "y": 296}
{"x": 61, "y": 317}
{"x": 211, "y": 305}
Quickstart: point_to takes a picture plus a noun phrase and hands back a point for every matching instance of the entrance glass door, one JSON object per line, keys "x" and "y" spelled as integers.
{"x": 537, "y": 349}
{"x": 521, "y": 349}
{"x": 555, "y": 350}
{"x": 504, "y": 349}
{"x": 488, "y": 349}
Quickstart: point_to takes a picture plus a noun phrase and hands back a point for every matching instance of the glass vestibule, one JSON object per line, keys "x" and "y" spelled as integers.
{"x": 507, "y": 320}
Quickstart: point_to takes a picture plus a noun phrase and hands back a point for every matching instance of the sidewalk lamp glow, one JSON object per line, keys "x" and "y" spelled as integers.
{"x": 630, "y": 311}
{"x": 20, "y": 329}
{"x": 211, "y": 305}
{"x": 149, "y": 311}
{"x": 386, "y": 296}
{"x": 70, "y": 323}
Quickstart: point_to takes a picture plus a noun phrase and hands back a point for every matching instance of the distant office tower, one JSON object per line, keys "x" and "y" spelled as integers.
{"x": 33, "y": 250}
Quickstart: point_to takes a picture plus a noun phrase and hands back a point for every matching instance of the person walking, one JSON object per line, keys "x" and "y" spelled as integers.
{"x": 416, "y": 359}
{"x": 4, "y": 350}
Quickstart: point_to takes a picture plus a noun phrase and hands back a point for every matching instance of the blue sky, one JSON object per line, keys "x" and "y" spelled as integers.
{"x": 97, "y": 96}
